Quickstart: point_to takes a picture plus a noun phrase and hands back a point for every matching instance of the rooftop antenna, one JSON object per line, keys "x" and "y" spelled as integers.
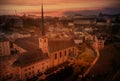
{"x": 42, "y": 18}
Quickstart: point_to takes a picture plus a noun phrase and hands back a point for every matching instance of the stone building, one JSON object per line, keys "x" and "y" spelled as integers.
{"x": 101, "y": 42}
{"x": 4, "y": 46}
{"x": 41, "y": 53}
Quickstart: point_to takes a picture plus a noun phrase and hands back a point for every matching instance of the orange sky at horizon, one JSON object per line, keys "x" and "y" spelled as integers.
{"x": 52, "y": 7}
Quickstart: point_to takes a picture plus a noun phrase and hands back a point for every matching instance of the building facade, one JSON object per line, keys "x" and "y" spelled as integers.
{"x": 48, "y": 54}
{"x": 4, "y": 47}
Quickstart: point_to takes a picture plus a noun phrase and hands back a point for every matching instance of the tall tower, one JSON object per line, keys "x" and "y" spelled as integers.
{"x": 43, "y": 41}
{"x": 42, "y": 19}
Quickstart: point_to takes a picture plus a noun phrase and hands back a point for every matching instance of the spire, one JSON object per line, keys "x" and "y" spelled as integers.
{"x": 15, "y": 13}
{"x": 42, "y": 18}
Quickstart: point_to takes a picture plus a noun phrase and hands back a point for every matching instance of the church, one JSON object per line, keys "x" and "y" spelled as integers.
{"x": 39, "y": 54}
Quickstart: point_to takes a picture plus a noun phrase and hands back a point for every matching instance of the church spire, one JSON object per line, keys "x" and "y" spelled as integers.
{"x": 42, "y": 19}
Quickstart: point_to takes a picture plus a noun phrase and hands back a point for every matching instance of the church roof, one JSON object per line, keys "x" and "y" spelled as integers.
{"x": 59, "y": 44}
{"x": 30, "y": 43}
{"x": 29, "y": 58}
{"x": 34, "y": 53}
{"x": 54, "y": 45}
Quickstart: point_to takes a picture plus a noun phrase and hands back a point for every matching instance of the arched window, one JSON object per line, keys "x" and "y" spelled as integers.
{"x": 73, "y": 50}
{"x": 38, "y": 71}
{"x": 55, "y": 56}
{"x": 65, "y": 52}
{"x": 69, "y": 51}
{"x": 60, "y": 54}
{"x": 45, "y": 40}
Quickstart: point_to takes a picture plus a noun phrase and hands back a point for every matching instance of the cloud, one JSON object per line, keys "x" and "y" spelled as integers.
{"x": 48, "y": 13}
{"x": 36, "y": 2}
{"x": 20, "y": 2}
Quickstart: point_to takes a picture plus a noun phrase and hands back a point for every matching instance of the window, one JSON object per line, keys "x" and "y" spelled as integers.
{"x": 65, "y": 52}
{"x": 38, "y": 71}
{"x": 42, "y": 67}
{"x": 16, "y": 76}
{"x": 79, "y": 43}
{"x": 32, "y": 66}
{"x": 55, "y": 56}
{"x": 73, "y": 50}
{"x": 25, "y": 74}
{"x": 43, "y": 63}
{"x": 29, "y": 73}
{"x": 60, "y": 54}
{"x": 33, "y": 72}
{"x": 45, "y": 40}
{"x": 47, "y": 66}
{"x": 69, "y": 52}
{"x": 25, "y": 69}
{"x": 29, "y": 68}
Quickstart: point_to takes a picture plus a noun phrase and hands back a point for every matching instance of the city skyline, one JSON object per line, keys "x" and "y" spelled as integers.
{"x": 77, "y": 47}
{"x": 59, "y": 7}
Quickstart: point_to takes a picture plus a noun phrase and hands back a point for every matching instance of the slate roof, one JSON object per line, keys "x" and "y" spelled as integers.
{"x": 59, "y": 44}
{"x": 29, "y": 44}
{"x": 29, "y": 58}
{"x": 34, "y": 53}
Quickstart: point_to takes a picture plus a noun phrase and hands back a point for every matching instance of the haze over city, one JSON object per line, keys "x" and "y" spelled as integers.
{"x": 59, "y": 7}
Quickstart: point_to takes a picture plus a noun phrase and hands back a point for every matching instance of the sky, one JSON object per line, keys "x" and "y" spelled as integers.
{"x": 59, "y": 7}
